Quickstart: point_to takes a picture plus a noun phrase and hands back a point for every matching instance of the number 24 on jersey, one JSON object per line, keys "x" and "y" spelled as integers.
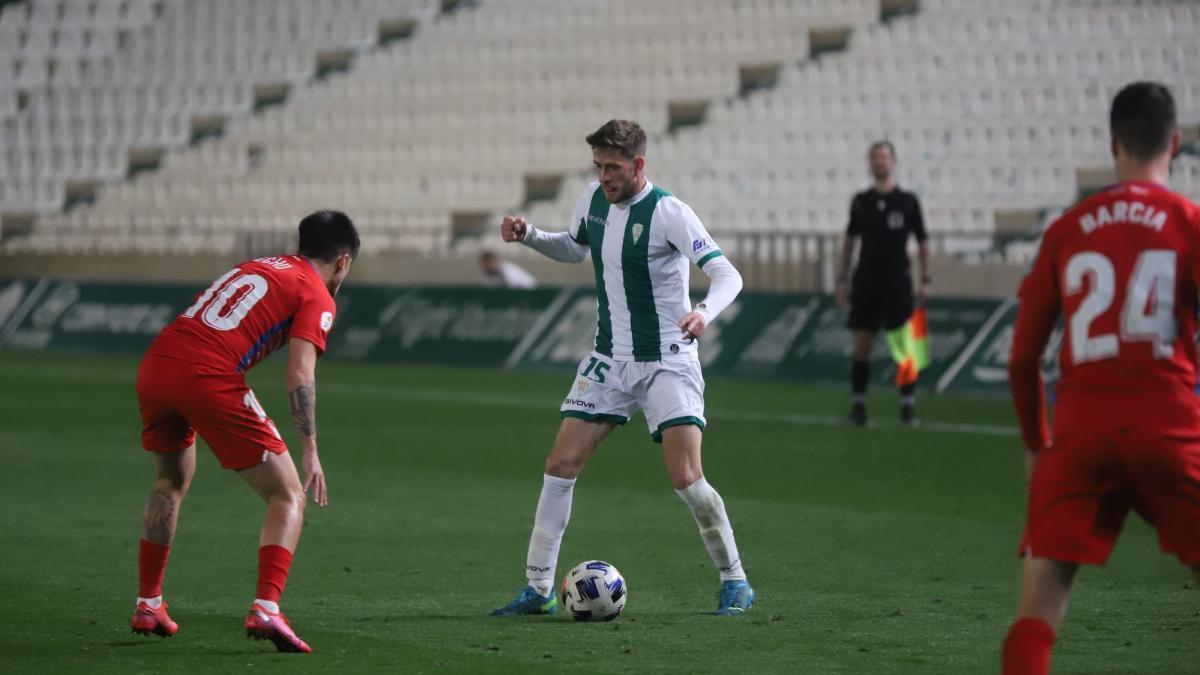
{"x": 1148, "y": 311}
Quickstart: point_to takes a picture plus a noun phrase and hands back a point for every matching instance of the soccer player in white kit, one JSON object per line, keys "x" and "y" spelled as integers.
{"x": 641, "y": 239}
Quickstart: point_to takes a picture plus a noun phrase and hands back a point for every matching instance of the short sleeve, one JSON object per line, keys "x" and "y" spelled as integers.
{"x": 685, "y": 232}
{"x": 854, "y": 225}
{"x": 314, "y": 319}
{"x": 578, "y": 227}
{"x": 918, "y": 220}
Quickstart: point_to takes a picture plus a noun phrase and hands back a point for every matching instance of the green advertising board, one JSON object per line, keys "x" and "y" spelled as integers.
{"x": 982, "y": 364}
{"x": 766, "y": 335}
{"x": 822, "y": 349}
{"x": 78, "y": 316}
{"x": 478, "y": 327}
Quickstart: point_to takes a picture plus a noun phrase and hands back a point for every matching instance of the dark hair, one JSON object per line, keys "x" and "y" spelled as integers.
{"x": 624, "y": 136}
{"x": 1143, "y": 119}
{"x": 882, "y": 144}
{"x": 325, "y": 235}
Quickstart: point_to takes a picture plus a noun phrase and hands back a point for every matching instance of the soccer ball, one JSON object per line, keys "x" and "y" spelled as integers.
{"x": 593, "y": 590}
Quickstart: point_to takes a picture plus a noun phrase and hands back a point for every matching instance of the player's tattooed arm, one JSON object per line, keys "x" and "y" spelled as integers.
{"x": 303, "y": 402}
{"x": 300, "y": 381}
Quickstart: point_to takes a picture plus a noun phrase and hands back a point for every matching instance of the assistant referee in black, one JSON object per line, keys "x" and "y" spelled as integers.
{"x": 880, "y": 294}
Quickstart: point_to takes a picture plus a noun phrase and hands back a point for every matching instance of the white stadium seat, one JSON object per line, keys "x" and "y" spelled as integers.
{"x": 992, "y": 106}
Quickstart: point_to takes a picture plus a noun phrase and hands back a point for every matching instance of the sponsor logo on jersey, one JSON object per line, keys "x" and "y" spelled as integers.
{"x": 596, "y": 220}
{"x": 637, "y": 231}
{"x": 582, "y": 386}
{"x": 701, "y": 244}
{"x": 579, "y": 404}
{"x": 326, "y": 321}
{"x": 674, "y": 348}
{"x": 895, "y": 220}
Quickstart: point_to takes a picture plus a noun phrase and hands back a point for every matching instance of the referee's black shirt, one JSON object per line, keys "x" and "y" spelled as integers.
{"x": 883, "y": 221}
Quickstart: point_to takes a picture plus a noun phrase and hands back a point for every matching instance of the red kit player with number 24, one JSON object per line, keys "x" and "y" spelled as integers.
{"x": 1122, "y": 269}
{"x": 191, "y": 381}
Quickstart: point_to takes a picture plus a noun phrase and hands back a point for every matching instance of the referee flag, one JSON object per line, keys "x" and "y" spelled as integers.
{"x": 910, "y": 348}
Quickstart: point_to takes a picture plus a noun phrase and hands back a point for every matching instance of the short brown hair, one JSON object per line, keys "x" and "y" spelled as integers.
{"x": 882, "y": 144}
{"x": 624, "y": 136}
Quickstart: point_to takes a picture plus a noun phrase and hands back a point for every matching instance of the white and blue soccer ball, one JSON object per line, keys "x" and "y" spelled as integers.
{"x": 593, "y": 590}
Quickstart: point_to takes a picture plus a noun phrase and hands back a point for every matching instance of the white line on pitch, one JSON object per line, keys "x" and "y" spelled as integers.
{"x": 459, "y": 398}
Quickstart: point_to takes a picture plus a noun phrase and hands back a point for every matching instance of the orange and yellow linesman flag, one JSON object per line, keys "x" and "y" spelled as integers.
{"x": 910, "y": 348}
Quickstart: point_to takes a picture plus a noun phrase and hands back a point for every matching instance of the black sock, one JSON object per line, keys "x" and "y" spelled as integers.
{"x": 908, "y": 394}
{"x": 860, "y": 375}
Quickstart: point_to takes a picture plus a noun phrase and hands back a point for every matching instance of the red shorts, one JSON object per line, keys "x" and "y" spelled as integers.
{"x": 177, "y": 402}
{"x": 1087, "y": 482}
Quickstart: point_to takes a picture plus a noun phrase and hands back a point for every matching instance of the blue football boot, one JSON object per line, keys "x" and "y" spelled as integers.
{"x": 528, "y": 602}
{"x": 734, "y": 598}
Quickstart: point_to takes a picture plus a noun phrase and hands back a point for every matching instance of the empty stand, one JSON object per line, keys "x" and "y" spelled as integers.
{"x": 993, "y": 107}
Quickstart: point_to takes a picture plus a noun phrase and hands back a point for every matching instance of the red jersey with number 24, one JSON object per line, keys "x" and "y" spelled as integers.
{"x": 1121, "y": 269}
{"x": 249, "y": 312}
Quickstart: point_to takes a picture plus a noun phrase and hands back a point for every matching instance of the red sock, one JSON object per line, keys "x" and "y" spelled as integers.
{"x": 273, "y": 565}
{"x": 1027, "y": 648}
{"x": 152, "y": 563}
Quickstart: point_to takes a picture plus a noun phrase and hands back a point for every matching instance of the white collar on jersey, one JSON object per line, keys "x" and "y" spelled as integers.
{"x": 636, "y": 198}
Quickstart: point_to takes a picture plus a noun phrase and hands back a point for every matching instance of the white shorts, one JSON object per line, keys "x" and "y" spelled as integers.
{"x": 669, "y": 392}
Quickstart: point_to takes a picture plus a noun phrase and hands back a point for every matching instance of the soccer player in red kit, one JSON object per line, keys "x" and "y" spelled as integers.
{"x": 1122, "y": 269}
{"x": 191, "y": 381}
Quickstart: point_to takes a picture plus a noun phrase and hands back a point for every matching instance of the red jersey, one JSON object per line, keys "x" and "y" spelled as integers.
{"x": 249, "y": 312}
{"x": 1121, "y": 269}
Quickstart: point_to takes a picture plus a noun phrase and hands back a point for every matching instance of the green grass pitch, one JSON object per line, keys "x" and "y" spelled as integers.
{"x": 873, "y": 551}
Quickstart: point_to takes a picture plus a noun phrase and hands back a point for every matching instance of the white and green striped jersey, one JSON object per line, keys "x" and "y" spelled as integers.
{"x": 641, "y": 249}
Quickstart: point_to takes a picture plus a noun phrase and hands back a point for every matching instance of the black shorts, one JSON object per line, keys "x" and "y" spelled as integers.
{"x": 875, "y": 305}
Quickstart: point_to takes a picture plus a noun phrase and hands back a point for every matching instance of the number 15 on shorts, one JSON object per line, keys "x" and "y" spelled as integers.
{"x": 595, "y": 370}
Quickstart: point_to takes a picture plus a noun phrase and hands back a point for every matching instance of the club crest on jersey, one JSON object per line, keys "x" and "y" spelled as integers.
{"x": 637, "y": 231}
{"x": 326, "y": 321}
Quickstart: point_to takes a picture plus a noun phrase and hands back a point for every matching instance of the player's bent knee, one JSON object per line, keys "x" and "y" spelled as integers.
{"x": 685, "y": 475}
{"x": 170, "y": 487}
{"x": 684, "y": 480}
{"x": 290, "y": 497}
{"x": 563, "y": 467}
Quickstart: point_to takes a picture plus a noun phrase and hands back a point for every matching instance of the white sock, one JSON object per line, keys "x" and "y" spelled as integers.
{"x": 709, "y": 511}
{"x": 272, "y": 607}
{"x": 152, "y": 603}
{"x": 549, "y": 523}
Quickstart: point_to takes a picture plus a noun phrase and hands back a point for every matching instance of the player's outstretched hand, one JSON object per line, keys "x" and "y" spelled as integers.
{"x": 513, "y": 229}
{"x": 693, "y": 325}
{"x": 314, "y": 480}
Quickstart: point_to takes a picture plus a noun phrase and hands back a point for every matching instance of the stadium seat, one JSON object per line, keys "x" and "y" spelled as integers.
{"x": 991, "y": 106}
